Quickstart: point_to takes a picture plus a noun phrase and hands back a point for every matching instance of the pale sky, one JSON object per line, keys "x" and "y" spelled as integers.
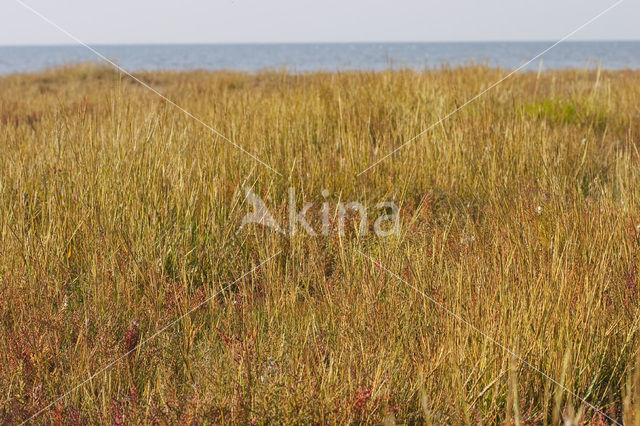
{"x": 242, "y": 21}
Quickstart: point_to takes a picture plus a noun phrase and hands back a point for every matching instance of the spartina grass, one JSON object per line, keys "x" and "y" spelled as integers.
{"x": 119, "y": 214}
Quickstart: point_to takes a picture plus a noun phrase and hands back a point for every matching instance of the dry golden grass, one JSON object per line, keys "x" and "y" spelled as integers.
{"x": 520, "y": 214}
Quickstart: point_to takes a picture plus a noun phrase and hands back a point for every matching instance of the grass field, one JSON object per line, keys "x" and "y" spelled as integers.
{"x": 519, "y": 215}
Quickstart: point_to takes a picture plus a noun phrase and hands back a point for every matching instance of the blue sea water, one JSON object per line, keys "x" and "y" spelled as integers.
{"x": 327, "y": 56}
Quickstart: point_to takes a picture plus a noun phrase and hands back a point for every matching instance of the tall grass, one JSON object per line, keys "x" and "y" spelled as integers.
{"x": 118, "y": 214}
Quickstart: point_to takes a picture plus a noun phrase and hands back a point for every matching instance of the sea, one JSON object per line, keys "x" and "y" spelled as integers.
{"x": 306, "y": 57}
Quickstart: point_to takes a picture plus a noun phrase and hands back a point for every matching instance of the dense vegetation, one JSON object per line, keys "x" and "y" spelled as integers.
{"x": 119, "y": 213}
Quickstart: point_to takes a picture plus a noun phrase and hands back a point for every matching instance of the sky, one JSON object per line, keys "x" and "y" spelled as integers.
{"x": 266, "y": 21}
